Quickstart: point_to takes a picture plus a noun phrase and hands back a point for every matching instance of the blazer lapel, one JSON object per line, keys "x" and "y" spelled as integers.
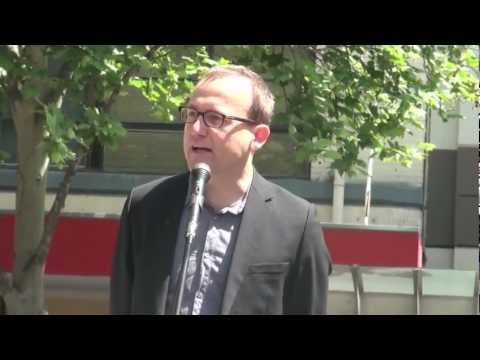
{"x": 168, "y": 214}
{"x": 166, "y": 217}
{"x": 249, "y": 233}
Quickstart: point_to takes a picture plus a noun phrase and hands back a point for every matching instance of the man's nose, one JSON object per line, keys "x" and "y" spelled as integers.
{"x": 199, "y": 125}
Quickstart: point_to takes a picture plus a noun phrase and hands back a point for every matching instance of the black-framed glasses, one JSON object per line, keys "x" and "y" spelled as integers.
{"x": 211, "y": 119}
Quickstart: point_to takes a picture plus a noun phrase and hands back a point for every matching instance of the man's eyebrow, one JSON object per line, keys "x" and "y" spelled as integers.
{"x": 210, "y": 108}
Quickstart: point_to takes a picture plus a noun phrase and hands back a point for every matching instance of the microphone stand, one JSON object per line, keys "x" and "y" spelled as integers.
{"x": 183, "y": 273}
{"x": 196, "y": 206}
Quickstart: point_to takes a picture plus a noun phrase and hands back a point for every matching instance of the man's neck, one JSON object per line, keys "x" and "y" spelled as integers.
{"x": 223, "y": 191}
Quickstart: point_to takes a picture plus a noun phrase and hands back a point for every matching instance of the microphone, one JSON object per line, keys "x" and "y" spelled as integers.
{"x": 199, "y": 176}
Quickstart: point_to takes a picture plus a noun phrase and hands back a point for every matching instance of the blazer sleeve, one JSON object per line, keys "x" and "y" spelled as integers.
{"x": 121, "y": 280}
{"x": 307, "y": 286}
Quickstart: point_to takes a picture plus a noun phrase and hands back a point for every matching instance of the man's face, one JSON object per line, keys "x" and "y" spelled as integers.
{"x": 229, "y": 148}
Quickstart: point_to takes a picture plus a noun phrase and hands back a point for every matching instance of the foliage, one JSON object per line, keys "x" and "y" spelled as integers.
{"x": 339, "y": 100}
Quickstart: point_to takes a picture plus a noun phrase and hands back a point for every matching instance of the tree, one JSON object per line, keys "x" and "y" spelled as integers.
{"x": 339, "y": 100}
{"x": 34, "y": 81}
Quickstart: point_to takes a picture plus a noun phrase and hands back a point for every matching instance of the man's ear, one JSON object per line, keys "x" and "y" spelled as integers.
{"x": 262, "y": 133}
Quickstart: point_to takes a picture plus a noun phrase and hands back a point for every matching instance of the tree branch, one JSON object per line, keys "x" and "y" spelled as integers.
{"x": 11, "y": 89}
{"x": 126, "y": 77}
{"x": 287, "y": 99}
{"x": 3, "y": 85}
{"x": 5, "y": 288}
{"x": 318, "y": 53}
{"x": 65, "y": 72}
{"x": 13, "y": 50}
{"x": 41, "y": 253}
{"x": 11, "y": 84}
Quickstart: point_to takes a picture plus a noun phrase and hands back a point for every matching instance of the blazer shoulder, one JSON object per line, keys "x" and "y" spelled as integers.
{"x": 291, "y": 198}
{"x": 165, "y": 185}
{"x": 284, "y": 200}
{"x": 281, "y": 194}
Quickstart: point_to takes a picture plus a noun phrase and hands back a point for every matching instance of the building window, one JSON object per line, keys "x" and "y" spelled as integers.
{"x": 157, "y": 149}
{"x": 8, "y": 139}
{"x": 154, "y": 147}
{"x": 277, "y": 157}
{"x": 147, "y": 149}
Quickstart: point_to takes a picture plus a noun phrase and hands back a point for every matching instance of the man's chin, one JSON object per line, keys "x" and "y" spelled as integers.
{"x": 192, "y": 161}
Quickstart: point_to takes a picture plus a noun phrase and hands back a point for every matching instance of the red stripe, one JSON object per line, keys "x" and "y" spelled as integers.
{"x": 84, "y": 246}
{"x": 6, "y": 241}
{"x": 80, "y": 246}
{"x": 374, "y": 247}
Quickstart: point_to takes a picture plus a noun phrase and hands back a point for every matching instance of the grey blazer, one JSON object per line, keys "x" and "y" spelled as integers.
{"x": 280, "y": 264}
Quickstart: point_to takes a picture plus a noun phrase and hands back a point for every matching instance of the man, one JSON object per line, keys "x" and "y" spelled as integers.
{"x": 258, "y": 248}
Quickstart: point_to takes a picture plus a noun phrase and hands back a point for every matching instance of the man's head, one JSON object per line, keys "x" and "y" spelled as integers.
{"x": 228, "y": 117}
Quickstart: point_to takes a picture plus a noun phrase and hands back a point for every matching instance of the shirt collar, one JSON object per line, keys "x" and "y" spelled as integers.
{"x": 237, "y": 206}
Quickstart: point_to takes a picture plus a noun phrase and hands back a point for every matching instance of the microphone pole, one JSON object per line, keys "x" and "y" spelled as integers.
{"x": 199, "y": 176}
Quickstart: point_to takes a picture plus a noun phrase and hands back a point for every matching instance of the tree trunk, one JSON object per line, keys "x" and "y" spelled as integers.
{"x": 27, "y": 295}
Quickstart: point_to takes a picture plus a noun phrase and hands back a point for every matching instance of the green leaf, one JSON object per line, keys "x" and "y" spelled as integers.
{"x": 323, "y": 143}
{"x": 4, "y": 156}
{"x": 30, "y": 92}
{"x": 471, "y": 59}
{"x": 56, "y": 157}
{"x": 70, "y": 134}
{"x": 177, "y": 100}
{"x": 343, "y": 132}
{"x": 301, "y": 156}
{"x": 394, "y": 132}
{"x": 6, "y": 61}
{"x": 331, "y": 154}
{"x": 426, "y": 146}
{"x": 51, "y": 117}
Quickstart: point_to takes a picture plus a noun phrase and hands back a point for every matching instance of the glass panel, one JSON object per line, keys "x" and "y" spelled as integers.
{"x": 340, "y": 279}
{"x": 8, "y": 139}
{"x": 388, "y": 280}
{"x": 448, "y": 282}
{"x": 151, "y": 152}
{"x": 131, "y": 106}
{"x": 277, "y": 158}
{"x": 160, "y": 152}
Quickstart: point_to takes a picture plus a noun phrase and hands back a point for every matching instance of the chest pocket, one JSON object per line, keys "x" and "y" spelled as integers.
{"x": 261, "y": 292}
{"x": 268, "y": 268}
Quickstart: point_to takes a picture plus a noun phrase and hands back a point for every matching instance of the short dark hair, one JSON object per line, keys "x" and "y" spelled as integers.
{"x": 263, "y": 100}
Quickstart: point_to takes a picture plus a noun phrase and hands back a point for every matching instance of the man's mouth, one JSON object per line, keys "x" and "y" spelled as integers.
{"x": 200, "y": 149}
